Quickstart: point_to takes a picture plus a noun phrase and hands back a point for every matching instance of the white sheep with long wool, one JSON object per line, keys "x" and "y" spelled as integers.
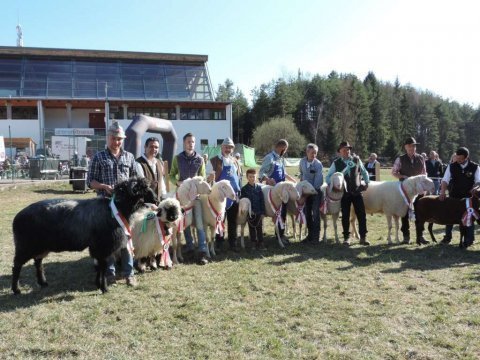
{"x": 392, "y": 198}
{"x": 295, "y": 208}
{"x": 213, "y": 211}
{"x": 152, "y": 230}
{"x": 274, "y": 197}
{"x": 332, "y": 196}
{"x": 186, "y": 194}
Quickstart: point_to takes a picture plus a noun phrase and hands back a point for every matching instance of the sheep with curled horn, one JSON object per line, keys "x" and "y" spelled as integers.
{"x": 99, "y": 224}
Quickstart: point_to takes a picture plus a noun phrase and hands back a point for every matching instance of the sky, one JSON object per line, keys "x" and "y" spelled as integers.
{"x": 430, "y": 45}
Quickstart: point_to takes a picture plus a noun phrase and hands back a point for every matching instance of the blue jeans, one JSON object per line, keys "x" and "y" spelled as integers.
{"x": 197, "y": 213}
{"x": 436, "y": 183}
{"x": 126, "y": 260}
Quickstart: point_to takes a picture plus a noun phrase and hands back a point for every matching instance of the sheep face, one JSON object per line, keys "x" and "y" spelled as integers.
{"x": 226, "y": 190}
{"x": 288, "y": 191}
{"x": 337, "y": 182}
{"x": 425, "y": 184}
{"x": 304, "y": 188}
{"x": 169, "y": 210}
{"x": 202, "y": 186}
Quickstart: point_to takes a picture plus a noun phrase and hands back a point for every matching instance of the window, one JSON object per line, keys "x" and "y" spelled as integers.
{"x": 219, "y": 141}
{"x": 203, "y": 143}
{"x": 24, "y": 113}
{"x": 3, "y": 112}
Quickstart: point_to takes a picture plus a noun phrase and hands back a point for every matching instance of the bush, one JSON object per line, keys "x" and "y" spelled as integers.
{"x": 266, "y": 135}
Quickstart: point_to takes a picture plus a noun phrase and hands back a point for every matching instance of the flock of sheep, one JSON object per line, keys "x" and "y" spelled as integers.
{"x": 153, "y": 233}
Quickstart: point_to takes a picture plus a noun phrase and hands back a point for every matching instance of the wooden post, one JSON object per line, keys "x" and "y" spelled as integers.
{"x": 377, "y": 171}
{"x": 165, "y": 174}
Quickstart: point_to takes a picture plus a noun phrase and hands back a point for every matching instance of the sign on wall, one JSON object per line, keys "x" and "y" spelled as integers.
{"x": 2, "y": 149}
{"x": 65, "y": 146}
{"x": 74, "y": 132}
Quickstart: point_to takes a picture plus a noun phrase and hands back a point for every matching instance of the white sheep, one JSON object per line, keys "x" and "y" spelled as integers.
{"x": 392, "y": 198}
{"x": 295, "y": 207}
{"x": 151, "y": 232}
{"x": 186, "y": 193}
{"x": 332, "y": 196}
{"x": 213, "y": 211}
{"x": 274, "y": 196}
{"x": 244, "y": 212}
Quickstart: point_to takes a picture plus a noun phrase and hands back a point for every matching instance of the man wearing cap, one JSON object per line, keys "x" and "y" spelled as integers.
{"x": 273, "y": 171}
{"x": 405, "y": 166}
{"x": 151, "y": 168}
{"x": 352, "y": 168}
{"x": 460, "y": 177}
{"x": 108, "y": 168}
{"x": 186, "y": 165}
{"x": 226, "y": 167}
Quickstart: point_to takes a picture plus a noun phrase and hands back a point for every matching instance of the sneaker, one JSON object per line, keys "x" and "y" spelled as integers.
{"x": 202, "y": 259}
{"x": 422, "y": 241}
{"x": 346, "y": 242}
{"x": 364, "y": 242}
{"x": 132, "y": 281}
{"x": 111, "y": 280}
{"x": 406, "y": 240}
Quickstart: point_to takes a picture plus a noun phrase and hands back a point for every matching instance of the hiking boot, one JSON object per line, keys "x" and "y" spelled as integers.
{"x": 260, "y": 246}
{"x": 132, "y": 281}
{"x": 111, "y": 280}
{"x": 406, "y": 240}
{"x": 202, "y": 259}
{"x": 364, "y": 242}
{"x": 446, "y": 240}
{"x": 422, "y": 241}
{"x": 189, "y": 256}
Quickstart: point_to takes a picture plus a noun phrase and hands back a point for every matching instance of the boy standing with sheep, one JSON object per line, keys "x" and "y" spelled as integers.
{"x": 253, "y": 191}
{"x": 352, "y": 168}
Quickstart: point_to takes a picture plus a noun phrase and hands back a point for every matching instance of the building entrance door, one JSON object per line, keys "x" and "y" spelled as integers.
{"x": 96, "y": 120}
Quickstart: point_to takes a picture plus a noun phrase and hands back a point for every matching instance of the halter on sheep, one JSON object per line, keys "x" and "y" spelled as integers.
{"x": 213, "y": 211}
{"x": 295, "y": 208}
{"x": 275, "y": 197}
{"x": 332, "y": 195}
{"x": 392, "y": 198}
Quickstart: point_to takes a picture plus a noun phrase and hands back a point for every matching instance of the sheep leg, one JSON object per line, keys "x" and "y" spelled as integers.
{"x": 396, "y": 220}
{"x": 101, "y": 279}
{"x": 334, "y": 219}
{"x": 389, "y": 225}
{"x": 41, "y": 280}
{"x": 353, "y": 225}
{"x": 175, "y": 240}
{"x": 18, "y": 263}
{"x": 430, "y": 231}
{"x": 287, "y": 230}
{"x": 324, "y": 220}
{"x": 211, "y": 241}
{"x": 280, "y": 242}
{"x": 294, "y": 227}
{"x": 242, "y": 233}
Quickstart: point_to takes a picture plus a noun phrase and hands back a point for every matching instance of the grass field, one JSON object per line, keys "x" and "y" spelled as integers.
{"x": 306, "y": 302}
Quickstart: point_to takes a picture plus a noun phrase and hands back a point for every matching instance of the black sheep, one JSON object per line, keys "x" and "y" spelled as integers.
{"x": 73, "y": 225}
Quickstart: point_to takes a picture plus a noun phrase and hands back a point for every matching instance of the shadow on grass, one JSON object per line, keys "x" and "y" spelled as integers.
{"x": 63, "y": 278}
{"x": 54, "y": 191}
{"x": 410, "y": 257}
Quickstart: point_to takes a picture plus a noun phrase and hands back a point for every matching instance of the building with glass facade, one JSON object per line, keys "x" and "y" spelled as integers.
{"x": 42, "y": 90}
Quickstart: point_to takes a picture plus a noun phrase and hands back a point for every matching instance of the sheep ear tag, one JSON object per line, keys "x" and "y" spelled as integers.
{"x": 150, "y": 216}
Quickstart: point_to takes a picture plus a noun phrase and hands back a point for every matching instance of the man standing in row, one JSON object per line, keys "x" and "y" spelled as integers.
{"x": 460, "y": 177}
{"x": 405, "y": 166}
{"x": 352, "y": 168}
{"x": 108, "y": 168}
{"x": 273, "y": 171}
{"x": 226, "y": 167}
{"x": 186, "y": 165}
{"x": 151, "y": 168}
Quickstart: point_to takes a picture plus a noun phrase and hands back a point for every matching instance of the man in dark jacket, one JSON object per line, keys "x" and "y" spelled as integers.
{"x": 434, "y": 170}
{"x": 405, "y": 166}
{"x": 253, "y": 192}
{"x": 460, "y": 177}
{"x": 352, "y": 168}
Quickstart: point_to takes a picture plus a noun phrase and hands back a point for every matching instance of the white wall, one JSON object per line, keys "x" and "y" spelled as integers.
{"x": 57, "y": 118}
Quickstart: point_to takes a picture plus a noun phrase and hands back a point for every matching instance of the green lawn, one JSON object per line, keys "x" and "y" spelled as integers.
{"x": 305, "y": 302}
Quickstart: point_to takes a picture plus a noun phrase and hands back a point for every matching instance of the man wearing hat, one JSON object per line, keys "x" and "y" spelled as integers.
{"x": 405, "y": 166}
{"x": 186, "y": 165}
{"x": 108, "y": 168}
{"x": 352, "y": 168}
{"x": 460, "y": 177}
{"x": 273, "y": 171}
{"x": 226, "y": 167}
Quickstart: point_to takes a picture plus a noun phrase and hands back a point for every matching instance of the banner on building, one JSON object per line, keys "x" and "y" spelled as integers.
{"x": 74, "y": 132}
